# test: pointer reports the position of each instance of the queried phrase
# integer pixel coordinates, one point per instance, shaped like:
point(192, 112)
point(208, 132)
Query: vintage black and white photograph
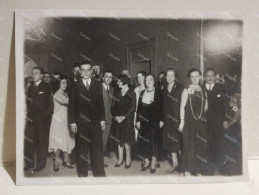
point(128, 97)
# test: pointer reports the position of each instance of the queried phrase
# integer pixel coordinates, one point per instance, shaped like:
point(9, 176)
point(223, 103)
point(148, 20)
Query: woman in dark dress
point(193, 126)
point(149, 115)
point(123, 115)
point(172, 138)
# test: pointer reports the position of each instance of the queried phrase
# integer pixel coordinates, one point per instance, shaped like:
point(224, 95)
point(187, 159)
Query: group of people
point(196, 128)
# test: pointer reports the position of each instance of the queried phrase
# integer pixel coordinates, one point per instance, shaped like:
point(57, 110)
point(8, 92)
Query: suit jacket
point(108, 102)
point(86, 107)
point(39, 101)
point(70, 86)
point(216, 101)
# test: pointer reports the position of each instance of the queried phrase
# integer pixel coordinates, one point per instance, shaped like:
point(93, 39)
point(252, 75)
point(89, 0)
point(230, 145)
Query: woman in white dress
point(61, 139)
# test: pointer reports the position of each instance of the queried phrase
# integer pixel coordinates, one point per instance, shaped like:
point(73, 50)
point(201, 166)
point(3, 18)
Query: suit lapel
point(82, 85)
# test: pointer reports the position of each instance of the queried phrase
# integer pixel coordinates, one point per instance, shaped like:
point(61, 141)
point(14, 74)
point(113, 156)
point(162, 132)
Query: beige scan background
point(7, 55)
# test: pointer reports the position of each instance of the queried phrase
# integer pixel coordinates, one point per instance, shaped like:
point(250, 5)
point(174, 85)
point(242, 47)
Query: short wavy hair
point(124, 79)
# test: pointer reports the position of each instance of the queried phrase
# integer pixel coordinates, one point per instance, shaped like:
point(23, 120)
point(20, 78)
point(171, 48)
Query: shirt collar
point(38, 82)
point(88, 81)
point(210, 86)
point(105, 86)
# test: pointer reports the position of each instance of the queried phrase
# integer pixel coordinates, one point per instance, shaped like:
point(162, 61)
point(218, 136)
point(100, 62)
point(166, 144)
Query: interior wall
point(177, 43)
point(67, 41)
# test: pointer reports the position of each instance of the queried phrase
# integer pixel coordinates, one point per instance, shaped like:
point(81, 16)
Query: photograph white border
point(20, 103)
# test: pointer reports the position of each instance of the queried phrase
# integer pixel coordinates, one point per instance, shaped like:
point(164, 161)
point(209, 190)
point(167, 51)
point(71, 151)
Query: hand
point(73, 127)
point(103, 125)
point(225, 125)
point(117, 118)
point(161, 124)
point(122, 118)
point(180, 128)
point(138, 125)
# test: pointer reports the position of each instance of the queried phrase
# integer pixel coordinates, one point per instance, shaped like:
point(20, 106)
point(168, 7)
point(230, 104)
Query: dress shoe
point(153, 170)
point(172, 170)
point(145, 168)
point(118, 165)
point(27, 167)
point(66, 165)
point(128, 166)
point(38, 169)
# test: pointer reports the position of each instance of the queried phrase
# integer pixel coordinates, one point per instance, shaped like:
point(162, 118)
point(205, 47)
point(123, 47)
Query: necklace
point(150, 90)
point(201, 106)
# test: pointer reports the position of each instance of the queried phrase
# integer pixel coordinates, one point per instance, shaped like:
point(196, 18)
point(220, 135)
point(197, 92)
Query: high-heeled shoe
point(66, 165)
point(56, 166)
point(172, 170)
point(118, 165)
point(145, 168)
point(152, 170)
point(128, 166)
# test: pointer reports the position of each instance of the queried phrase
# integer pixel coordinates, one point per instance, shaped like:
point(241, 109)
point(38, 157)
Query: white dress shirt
point(37, 83)
point(209, 86)
point(88, 82)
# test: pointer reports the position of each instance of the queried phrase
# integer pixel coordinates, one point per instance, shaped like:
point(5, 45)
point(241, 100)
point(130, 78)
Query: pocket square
point(218, 95)
point(41, 92)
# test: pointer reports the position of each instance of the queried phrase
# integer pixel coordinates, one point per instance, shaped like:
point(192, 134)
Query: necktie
point(107, 90)
point(87, 85)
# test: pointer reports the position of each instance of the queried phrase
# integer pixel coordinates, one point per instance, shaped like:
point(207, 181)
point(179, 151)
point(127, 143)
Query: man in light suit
point(214, 116)
point(87, 120)
point(40, 106)
point(108, 92)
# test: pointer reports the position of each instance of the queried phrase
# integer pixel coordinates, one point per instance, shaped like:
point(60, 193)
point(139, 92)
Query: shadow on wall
point(9, 134)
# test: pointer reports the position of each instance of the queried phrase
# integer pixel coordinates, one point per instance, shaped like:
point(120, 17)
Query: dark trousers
point(214, 127)
point(36, 141)
point(90, 139)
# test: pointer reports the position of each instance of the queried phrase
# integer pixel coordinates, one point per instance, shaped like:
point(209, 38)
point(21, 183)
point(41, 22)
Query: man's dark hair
point(75, 65)
point(107, 71)
point(46, 73)
point(57, 73)
point(210, 69)
point(83, 63)
point(39, 68)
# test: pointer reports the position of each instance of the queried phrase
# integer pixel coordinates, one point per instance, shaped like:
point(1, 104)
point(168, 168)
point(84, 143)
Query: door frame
point(151, 42)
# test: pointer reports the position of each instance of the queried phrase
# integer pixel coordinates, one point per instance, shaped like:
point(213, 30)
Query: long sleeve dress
point(149, 114)
point(124, 132)
point(172, 138)
point(60, 137)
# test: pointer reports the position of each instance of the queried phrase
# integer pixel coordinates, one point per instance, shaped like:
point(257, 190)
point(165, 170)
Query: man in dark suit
point(108, 92)
point(87, 120)
point(71, 85)
point(39, 110)
point(215, 114)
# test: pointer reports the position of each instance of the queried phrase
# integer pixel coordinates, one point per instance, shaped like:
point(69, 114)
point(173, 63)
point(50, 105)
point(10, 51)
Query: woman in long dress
point(193, 126)
point(123, 131)
point(61, 139)
point(149, 115)
point(172, 138)
point(141, 86)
